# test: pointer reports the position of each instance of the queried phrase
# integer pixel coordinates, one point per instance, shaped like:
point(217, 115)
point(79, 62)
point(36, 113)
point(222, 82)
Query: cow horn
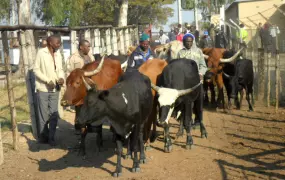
point(97, 70)
point(205, 56)
point(232, 58)
point(187, 91)
point(125, 64)
point(88, 87)
point(154, 87)
point(227, 76)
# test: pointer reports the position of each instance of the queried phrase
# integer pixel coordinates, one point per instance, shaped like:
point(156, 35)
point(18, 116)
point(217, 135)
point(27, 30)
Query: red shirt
point(179, 37)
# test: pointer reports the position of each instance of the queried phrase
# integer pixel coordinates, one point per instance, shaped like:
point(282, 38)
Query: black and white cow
point(127, 106)
point(180, 88)
point(242, 79)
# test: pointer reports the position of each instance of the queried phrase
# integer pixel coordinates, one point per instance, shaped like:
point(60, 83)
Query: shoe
point(42, 141)
point(52, 143)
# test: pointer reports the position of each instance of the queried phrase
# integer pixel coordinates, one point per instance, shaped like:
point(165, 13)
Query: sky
point(187, 16)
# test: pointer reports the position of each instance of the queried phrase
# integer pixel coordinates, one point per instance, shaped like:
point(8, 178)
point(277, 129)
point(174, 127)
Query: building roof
point(239, 1)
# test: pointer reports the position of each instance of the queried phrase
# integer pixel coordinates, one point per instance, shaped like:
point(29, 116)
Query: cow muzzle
point(63, 103)
point(160, 123)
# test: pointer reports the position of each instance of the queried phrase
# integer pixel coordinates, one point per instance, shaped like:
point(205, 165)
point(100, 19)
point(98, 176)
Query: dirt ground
point(240, 145)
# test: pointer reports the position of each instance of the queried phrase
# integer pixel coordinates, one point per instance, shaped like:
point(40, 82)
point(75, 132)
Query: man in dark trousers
point(220, 39)
point(49, 77)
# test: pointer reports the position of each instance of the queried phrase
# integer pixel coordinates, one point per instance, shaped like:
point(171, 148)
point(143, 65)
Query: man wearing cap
point(191, 51)
point(206, 41)
point(141, 54)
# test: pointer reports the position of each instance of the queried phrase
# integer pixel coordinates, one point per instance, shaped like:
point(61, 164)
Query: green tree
point(4, 9)
point(60, 12)
point(91, 12)
point(149, 11)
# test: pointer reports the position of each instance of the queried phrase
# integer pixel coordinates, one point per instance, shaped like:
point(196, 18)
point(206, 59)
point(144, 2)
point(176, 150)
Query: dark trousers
point(198, 106)
point(48, 114)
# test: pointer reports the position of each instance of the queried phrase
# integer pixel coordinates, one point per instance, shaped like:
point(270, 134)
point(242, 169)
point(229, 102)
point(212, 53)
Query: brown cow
point(152, 69)
point(104, 78)
point(214, 75)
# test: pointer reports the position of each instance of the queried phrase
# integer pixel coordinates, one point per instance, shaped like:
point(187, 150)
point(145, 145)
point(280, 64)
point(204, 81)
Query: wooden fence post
point(277, 76)
point(126, 38)
point(108, 41)
point(114, 42)
point(103, 47)
point(268, 54)
point(73, 43)
point(92, 41)
point(261, 73)
point(122, 43)
point(1, 148)
point(10, 89)
point(136, 36)
point(97, 41)
point(87, 35)
point(30, 84)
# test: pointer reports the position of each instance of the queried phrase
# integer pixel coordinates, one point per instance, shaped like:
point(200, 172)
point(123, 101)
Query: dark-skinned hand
point(50, 85)
point(60, 81)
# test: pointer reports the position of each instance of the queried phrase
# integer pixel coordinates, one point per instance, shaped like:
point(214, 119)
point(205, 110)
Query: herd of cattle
point(133, 101)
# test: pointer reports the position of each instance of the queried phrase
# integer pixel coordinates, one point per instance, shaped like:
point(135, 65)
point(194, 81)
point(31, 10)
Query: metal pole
point(179, 12)
point(196, 14)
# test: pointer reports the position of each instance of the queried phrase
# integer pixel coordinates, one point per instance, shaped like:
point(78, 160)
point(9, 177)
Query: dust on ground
point(240, 145)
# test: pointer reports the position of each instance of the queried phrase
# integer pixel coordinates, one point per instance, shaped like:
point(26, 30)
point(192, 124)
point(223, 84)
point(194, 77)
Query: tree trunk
point(28, 54)
point(123, 13)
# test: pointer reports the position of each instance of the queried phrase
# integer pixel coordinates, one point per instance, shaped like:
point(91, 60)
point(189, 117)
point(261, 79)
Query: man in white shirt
point(49, 77)
point(163, 39)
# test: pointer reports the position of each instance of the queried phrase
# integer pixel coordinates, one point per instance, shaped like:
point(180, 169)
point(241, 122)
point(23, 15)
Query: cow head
point(92, 107)
point(216, 57)
point(169, 50)
point(167, 98)
point(76, 85)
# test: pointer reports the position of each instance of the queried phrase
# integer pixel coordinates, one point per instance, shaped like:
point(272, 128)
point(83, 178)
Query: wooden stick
point(277, 60)
point(1, 148)
point(10, 90)
point(268, 80)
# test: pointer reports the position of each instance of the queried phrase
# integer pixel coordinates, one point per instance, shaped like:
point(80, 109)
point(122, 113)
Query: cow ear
point(103, 94)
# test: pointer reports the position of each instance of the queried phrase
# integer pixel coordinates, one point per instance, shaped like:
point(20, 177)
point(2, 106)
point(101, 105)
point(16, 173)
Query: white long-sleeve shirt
point(46, 70)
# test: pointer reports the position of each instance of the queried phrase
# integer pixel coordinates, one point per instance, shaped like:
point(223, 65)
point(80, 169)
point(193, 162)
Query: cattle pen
point(241, 144)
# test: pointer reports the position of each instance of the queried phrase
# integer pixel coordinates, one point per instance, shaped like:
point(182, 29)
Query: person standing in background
point(163, 39)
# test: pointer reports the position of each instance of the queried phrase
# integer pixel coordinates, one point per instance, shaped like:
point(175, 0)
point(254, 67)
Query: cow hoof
point(143, 161)
point(136, 169)
point(251, 110)
point(179, 134)
point(148, 148)
point(204, 135)
point(188, 146)
point(116, 174)
point(128, 156)
point(168, 149)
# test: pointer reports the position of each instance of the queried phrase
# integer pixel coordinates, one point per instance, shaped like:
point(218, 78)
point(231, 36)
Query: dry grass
point(21, 103)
